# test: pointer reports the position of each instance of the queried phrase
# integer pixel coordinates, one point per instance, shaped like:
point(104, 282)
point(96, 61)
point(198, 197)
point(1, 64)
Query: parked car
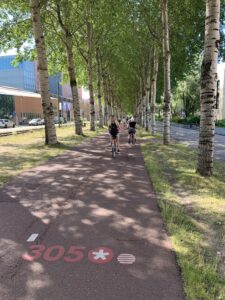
point(35, 122)
point(24, 121)
point(5, 123)
point(62, 120)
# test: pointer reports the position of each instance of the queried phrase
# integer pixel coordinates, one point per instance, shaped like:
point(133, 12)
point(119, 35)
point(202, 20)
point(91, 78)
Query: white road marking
point(33, 237)
point(126, 258)
point(100, 254)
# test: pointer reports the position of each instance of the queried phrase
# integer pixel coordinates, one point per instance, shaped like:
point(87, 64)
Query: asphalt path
point(190, 137)
point(86, 226)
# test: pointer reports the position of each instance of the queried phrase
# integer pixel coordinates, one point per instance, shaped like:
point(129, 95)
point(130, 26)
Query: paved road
point(26, 128)
point(190, 137)
point(19, 128)
point(101, 236)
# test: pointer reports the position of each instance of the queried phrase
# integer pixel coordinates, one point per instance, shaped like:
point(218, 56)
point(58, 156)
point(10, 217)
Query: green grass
point(23, 151)
point(193, 209)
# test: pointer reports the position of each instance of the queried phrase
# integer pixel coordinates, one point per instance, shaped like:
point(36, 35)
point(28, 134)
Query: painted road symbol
point(100, 255)
point(33, 237)
point(73, 254)
point(127, 259)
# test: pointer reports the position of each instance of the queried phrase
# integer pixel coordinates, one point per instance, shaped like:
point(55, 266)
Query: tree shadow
point(85, 198)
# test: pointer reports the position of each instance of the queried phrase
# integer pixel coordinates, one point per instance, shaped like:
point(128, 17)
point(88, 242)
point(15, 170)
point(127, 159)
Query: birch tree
point(99, 79)
point(166, 67)
point(50, 131)
point(65, 23)
point(153, 90)
point(209, 88)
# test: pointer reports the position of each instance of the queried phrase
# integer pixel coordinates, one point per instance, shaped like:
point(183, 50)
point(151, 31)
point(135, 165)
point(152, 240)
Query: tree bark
point(166, 64)
point(148, 116)
point(99, 76)
point(209, 88)
point(106, 98)
point(153, 91)
point(50, 131)
point(73, 84)
point(90, 74)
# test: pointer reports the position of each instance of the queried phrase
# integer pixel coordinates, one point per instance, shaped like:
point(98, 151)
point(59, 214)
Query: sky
point(9, 52)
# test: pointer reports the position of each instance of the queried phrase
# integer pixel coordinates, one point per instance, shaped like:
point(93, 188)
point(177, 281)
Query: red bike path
point(100, 232)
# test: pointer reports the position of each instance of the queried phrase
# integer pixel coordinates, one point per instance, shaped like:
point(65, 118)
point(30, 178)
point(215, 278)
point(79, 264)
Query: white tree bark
point(90, 74)
point(153, 91)
point(209, 88)
point(166, 64)
point(99, 76)
point(73, 84)
point(50, 131)
point(148, 116)
point(106, 98)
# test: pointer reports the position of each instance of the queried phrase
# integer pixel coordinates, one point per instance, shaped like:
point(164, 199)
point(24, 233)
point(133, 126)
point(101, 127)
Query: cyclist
point(114, 131)
point(131, 129)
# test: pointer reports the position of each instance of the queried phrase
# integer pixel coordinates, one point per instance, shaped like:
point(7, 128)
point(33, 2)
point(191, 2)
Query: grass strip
point(193, 209)
point(24, 151)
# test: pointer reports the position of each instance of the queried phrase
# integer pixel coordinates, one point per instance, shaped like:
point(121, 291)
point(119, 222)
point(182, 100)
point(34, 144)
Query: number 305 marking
point(54, 253)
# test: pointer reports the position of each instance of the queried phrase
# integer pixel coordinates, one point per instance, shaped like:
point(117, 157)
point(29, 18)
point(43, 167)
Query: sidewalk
point(100, 233)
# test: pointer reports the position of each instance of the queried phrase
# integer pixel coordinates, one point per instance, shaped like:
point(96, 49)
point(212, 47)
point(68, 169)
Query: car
point(24, 121)
point(6, 123)
point(62, 120)
point(35, 122)
point(42, 121)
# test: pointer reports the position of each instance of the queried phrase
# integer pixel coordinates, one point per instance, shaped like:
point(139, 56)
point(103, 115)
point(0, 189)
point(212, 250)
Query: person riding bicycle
point(114, 131)
point(131, 129)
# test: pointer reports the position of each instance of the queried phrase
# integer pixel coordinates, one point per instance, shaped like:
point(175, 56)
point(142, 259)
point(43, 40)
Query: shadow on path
point(86, 198)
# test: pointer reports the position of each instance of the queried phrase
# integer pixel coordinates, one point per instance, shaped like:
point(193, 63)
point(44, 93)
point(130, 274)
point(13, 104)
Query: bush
point(220, 123)
point(193, 120)
point(159, 118)
point(188, 120)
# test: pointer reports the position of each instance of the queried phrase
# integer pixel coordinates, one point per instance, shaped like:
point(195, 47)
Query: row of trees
point(132, 52)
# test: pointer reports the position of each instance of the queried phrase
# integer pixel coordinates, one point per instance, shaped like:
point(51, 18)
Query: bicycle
point(114, 140)
point(132, 139)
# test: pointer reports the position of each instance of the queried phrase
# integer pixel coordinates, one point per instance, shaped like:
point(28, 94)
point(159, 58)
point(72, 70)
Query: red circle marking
point(100, 255)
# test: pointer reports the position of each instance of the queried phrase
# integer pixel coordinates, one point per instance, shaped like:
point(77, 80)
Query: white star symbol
point(100, 254)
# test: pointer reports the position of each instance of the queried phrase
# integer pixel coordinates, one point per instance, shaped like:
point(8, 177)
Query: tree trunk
point(106, 98)
point(73, 84)
point(147, 128)
point(50, 131)
point(153, 91)
point(111, 100)
point(209, 88)
point(90, 74)
point(99, 76)
point(144, 110)
point(166, 63)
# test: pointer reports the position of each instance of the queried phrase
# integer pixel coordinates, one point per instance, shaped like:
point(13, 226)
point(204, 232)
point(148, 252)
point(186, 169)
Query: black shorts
point(114, 137)
point(131, 130)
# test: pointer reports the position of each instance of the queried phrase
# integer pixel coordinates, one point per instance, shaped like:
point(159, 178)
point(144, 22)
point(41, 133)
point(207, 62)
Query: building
point(21, 77)
point(24, 79)
point(20, 104)
point(221, 102)
point(25, 76)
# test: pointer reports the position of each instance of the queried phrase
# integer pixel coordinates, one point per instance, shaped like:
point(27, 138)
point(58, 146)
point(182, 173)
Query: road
point(28, 128)
point(85, 226)
point(190, 138)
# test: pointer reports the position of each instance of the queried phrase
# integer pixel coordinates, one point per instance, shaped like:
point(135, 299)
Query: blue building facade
point(24, 76)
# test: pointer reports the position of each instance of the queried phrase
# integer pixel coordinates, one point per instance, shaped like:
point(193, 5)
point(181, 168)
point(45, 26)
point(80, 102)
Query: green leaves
point(125, 31)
